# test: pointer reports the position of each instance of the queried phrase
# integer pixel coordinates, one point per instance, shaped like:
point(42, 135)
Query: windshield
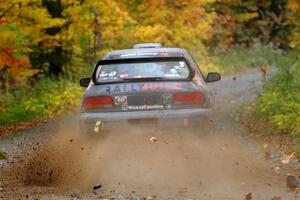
point(127, 71)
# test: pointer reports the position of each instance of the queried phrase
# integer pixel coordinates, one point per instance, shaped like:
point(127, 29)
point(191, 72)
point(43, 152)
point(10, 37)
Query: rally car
point(148, 83)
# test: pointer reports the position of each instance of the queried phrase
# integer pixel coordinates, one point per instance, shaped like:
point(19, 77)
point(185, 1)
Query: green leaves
point(55, 99)
point(47, 100)
point(2, 156)
point(280, 101)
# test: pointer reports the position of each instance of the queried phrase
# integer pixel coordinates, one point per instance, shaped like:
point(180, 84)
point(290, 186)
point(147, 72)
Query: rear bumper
point(163, 118)
point(159, 114)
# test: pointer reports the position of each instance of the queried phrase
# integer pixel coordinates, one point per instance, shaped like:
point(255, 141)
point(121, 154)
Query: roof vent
point(147, 45)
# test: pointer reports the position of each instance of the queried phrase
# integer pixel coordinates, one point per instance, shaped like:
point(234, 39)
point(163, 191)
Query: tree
point(94, 27)
point(173, 22)
point(294, 20)
point(263, 20)
point(22, 29)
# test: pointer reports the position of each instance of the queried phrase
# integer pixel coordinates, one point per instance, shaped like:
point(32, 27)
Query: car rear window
point(163, 70)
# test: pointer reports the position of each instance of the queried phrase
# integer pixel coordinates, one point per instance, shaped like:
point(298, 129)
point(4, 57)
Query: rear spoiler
point(139, 60)
point(147, 45)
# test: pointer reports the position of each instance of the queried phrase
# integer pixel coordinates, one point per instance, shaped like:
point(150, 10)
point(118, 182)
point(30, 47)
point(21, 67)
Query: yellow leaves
point(156, 33)
point(54, 99)
point(209, 64)
point(295, 39)
point(246, 16)
point(30, 17)
point(297, 127)
point(279, 120)
point(29, 72)
point(184, 23)
point(294, 20)
point(96, 22)
point(96, 26)
point(29, 14)
point(54, 22)
point(281, 110)
point(7, 37)
point(204, 2)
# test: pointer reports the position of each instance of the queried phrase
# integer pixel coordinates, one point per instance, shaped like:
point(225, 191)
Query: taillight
point(99, 102)
point(191, 98)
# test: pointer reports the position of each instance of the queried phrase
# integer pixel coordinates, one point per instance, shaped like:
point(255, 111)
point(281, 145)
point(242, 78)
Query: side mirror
point(84, 82)
point(212, 77)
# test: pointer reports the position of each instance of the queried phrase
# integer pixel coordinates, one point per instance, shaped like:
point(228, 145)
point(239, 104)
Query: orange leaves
point(15, 65)
point(12, 50)
point(294, 19)
point(223, 30)
point(8, 50)
point(2, 21)
point(294, 5)
point(7, 59)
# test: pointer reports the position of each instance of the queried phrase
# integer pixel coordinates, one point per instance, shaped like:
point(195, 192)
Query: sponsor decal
point(111, 74)
point(143, 87)
point(139, 54)
point(167, 100)
point(124, 107)
point(145, 107)
point(146, 102)
point(121, 101)
point(117, 89)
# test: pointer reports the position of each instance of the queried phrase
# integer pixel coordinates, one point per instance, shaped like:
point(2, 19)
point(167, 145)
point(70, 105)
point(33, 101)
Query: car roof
point(144, 53)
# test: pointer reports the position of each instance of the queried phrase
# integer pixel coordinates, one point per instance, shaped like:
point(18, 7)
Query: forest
point(47, 45)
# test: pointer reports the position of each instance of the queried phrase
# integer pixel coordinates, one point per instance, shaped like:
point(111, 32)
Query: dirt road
point(54, 162)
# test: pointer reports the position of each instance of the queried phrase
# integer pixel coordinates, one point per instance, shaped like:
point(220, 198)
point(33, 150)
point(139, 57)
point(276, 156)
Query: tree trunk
point(97, 32)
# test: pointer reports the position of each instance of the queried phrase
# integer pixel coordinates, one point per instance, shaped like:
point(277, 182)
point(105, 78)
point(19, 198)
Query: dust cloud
point(179, 162)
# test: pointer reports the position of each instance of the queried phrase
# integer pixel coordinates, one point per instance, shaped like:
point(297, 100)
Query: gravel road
point(54, 161)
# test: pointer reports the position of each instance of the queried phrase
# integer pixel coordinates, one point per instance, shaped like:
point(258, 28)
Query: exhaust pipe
point(98, 126)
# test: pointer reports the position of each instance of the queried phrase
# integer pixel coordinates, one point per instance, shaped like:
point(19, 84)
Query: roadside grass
point(47, 99)
point(261, 130)
point(2, 156)
point(258, 55)
point(274, 115)
point(276, 111)
point(240, 59)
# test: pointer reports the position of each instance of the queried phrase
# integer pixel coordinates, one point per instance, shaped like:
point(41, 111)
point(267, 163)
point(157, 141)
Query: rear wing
point(147, 45)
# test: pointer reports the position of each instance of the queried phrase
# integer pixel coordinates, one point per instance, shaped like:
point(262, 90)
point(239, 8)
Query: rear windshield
point(127, 71)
